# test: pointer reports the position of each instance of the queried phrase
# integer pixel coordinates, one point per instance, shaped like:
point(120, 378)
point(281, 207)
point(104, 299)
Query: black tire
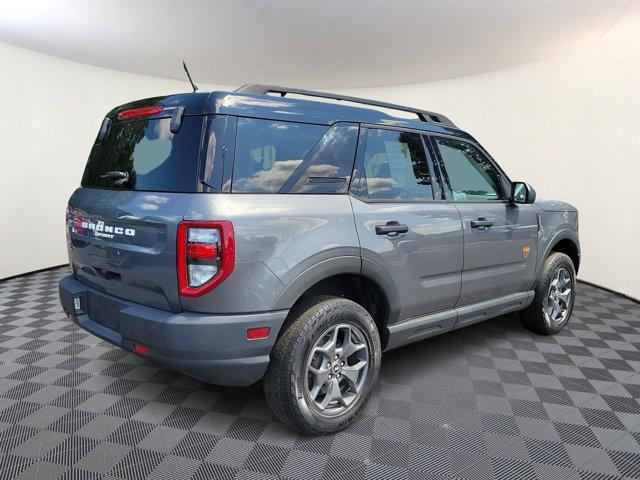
point(533, 317)
point(286, 383)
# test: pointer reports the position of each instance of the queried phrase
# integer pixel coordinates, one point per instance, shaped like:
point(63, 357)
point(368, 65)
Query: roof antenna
point(184, 65)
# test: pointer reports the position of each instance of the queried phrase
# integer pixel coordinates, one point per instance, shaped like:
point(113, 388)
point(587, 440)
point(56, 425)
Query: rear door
point(122, 229)
point(500, 238)
point(402, 227)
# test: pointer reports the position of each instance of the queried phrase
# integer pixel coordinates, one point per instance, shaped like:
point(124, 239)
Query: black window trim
point(445, 186)
point(358, 189)
point(219, 180)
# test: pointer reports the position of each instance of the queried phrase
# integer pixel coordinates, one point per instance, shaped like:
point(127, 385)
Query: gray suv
point(270, 234)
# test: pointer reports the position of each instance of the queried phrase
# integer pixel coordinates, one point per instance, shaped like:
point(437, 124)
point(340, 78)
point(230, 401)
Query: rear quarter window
point(268, 152)
point(154, 158)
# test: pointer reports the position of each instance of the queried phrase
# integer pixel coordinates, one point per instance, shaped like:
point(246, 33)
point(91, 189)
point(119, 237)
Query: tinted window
point(395, 166)
point(328, 167)
point(267, 153)
point(470, 174)
point(154, 158)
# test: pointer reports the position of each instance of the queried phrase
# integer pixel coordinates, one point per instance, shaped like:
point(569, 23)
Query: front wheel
point(323, 366)
point(554, 296)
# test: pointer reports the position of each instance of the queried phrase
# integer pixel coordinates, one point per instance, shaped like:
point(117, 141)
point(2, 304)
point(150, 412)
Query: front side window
point(395, 166)
point(267, 153)
point(469, 173)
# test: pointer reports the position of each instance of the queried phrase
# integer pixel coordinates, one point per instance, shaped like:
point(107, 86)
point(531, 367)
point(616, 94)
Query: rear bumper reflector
point(257, 333)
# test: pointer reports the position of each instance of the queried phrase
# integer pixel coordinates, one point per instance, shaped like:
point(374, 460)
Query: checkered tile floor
point(487, 401)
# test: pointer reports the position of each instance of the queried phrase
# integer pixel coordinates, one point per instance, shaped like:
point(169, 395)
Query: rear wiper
point(118, 177)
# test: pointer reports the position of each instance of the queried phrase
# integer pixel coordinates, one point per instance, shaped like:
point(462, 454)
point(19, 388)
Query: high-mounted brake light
point(140, 112)
point(206, 256)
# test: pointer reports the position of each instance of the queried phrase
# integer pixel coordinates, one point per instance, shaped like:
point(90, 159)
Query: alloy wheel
point(558, 299)
point(336, 369)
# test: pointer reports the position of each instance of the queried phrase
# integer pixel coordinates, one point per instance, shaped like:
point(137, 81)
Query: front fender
point(546, 244)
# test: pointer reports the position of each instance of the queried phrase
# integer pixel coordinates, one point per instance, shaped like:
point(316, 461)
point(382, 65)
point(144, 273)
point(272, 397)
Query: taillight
point(206, 256)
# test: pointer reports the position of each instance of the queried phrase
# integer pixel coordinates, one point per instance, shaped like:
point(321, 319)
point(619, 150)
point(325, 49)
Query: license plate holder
point(105, 312)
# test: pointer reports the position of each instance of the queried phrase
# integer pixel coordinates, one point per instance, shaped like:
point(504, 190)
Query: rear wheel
point(554, 298)
point(323, 366)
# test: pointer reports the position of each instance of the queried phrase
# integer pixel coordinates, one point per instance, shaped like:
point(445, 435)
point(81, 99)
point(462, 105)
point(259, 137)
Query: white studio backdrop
point(54, 110)
point(568, 125)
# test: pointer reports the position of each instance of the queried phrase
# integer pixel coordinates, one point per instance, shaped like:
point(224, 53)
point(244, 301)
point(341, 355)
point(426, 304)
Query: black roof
point(258, 101)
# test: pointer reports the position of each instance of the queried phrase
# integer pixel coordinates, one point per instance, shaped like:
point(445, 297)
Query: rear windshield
point(154, 158)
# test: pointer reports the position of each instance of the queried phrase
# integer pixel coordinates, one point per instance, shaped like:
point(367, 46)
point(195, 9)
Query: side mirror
point(522, 193)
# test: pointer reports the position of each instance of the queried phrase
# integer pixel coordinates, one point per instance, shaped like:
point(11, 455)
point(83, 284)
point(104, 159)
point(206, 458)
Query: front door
point(402, 228)
point(500, 238)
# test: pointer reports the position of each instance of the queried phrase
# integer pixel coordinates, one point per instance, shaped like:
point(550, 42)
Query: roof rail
point(423, 115)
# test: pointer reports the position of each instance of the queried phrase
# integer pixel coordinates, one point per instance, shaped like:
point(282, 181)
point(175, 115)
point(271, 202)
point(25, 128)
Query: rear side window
point(396, 167)
point(154, 158)
point(267, 153)
point(328, 167)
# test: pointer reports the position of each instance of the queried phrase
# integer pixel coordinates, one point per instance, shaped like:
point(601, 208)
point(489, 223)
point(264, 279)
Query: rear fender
point(337, 266)
point(314, 274)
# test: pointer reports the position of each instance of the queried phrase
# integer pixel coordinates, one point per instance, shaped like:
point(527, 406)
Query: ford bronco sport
point(270, 234)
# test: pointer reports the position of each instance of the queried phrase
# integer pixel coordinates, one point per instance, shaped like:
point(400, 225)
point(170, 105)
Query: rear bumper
point(213, 348)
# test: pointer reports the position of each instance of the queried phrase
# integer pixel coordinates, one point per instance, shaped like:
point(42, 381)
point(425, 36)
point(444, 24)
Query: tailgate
point(124, 243)
point(140, 175)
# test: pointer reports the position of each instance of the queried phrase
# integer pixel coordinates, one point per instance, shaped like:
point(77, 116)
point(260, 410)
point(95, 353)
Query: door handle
point(391, 228)
point(481, 222)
